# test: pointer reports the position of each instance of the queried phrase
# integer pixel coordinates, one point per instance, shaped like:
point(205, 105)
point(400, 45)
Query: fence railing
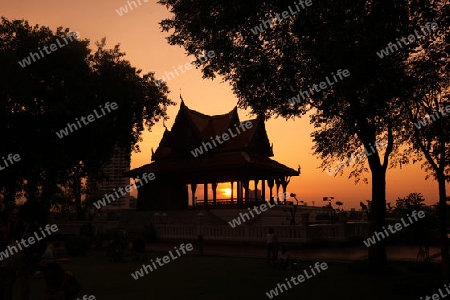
point(338, 232)
point(303, 233)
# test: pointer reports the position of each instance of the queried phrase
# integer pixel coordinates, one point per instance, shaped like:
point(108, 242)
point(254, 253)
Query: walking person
point(272, 246)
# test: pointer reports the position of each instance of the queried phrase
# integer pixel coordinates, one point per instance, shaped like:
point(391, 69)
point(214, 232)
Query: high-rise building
point(120, 163)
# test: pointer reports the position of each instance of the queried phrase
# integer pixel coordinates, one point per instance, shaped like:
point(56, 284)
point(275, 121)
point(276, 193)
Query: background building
point(114, 178)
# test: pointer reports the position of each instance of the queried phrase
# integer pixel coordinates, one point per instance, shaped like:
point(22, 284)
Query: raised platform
point(214, 226)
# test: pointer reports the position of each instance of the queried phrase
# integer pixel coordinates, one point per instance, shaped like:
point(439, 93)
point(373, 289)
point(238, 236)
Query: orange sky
point(140, 37)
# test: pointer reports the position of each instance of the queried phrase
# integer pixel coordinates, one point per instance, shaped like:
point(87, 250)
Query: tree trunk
point(377, 252)
point(442, 227)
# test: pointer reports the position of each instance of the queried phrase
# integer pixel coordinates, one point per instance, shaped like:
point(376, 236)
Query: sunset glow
point(146, 47)
point(226, 192)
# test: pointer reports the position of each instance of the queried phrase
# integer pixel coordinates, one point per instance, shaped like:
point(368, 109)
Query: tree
point(279, 63)
point(363, 206)
point(413, 201)
point(421, 229)
point(429, 121)
point(38, 100)
point(389, 209)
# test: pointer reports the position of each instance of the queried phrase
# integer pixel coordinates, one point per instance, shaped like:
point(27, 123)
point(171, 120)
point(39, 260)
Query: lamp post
point(329, 199)
point(295, 197)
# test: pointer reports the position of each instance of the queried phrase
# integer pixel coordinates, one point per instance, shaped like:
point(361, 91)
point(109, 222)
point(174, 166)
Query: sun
point(226, 191)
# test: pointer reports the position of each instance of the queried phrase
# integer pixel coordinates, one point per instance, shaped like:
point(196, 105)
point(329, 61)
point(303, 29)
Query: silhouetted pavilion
point(241, 159)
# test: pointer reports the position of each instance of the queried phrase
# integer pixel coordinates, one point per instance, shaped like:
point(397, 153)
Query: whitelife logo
point(436, 296)
point(435, 116)
point(110, 197)
point(188, 66)
point(90, 118)
point(319, 87)
point(166, 259)
point(371, 241)
point(198, 151)
point(357, 157)
point(300, 278)
point(11, 157)
point(391, 48)
point(285, 15)
point(263, 207)
point(85, 297)
point(124, 9)
point(27, 60)
point(13, 246)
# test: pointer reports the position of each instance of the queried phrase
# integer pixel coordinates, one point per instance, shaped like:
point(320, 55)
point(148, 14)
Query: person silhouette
point(272, 246)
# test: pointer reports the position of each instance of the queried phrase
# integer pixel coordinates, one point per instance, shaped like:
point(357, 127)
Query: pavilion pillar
point(232, 191)
point(241, 195)
point(278, 184)
point(256, 190)
point(205, 194)
point(239, 192)
point(263, 190)
point(270, 184)
point(214, 188)
point(247, 190)
point(284, 185)
point(193, 189)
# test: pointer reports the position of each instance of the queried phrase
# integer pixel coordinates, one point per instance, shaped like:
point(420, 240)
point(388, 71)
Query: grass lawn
point(205, 277)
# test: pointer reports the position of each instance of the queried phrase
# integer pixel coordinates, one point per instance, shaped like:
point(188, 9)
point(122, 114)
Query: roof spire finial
point(181, 97)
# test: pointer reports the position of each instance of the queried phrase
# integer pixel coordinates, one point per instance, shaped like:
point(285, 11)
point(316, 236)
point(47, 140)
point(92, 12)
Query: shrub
point(77, 245)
